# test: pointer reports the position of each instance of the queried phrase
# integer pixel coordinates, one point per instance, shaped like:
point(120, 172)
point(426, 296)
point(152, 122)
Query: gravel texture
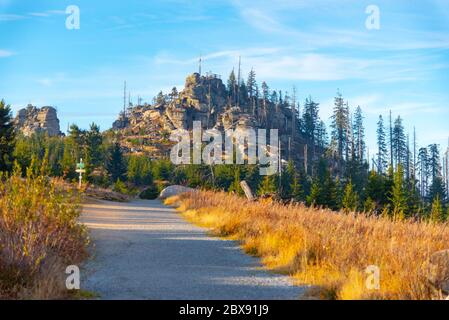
point(145, 250)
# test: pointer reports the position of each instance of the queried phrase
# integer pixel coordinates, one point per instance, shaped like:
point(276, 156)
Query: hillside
point(205, 98)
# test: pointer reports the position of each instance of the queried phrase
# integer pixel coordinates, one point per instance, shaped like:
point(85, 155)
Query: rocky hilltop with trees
point(237, 103)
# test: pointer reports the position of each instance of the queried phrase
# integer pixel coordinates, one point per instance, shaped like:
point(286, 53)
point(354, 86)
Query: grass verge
point(330, 250)
point(39, 237)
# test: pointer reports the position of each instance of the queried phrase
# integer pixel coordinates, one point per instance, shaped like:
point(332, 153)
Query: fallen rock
point(437, 272)
point(173, 191)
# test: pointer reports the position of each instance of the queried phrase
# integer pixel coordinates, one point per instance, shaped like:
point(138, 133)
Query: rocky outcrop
point(32, 120)
point(208, 100)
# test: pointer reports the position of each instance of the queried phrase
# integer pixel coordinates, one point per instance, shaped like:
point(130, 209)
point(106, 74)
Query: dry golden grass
point(323, 248)
point(39, 237)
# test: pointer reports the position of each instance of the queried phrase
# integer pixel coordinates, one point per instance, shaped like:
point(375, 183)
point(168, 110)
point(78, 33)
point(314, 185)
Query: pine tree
point(382, 146)
point(160, 99)
point(310, 122)
point(359, 135)
point(324, 188)
point(94, 141)
point(173, 94)
point(251, 84)
point(268, 185)
point(434, 160)
point(424, 171)
point(235, 185)
point(437, 214)
point(265, 101)
point(296, 188)
point(391, 142)
point(115, 163)
point(340, 125)
point(321, 136)
point(313, 197)
point(252, 176)
point(398, 195)
point(251, 87)
point(376, 189)
point(350, 201)
point(232, 87)
point(287, 180)
point(437, 189)
point(7, 137)
point(399, 142)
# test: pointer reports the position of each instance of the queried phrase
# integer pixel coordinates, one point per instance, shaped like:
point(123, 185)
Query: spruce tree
point(359, 135)
point(382, 146)
point(287, 180)
point(399, 142)
point(399, 195)
point(350, 201)
point(235, 185)
point(340, 125)
point(437, 214)
point(424, 171)
point(310, 122)
point(251, 84)
point(268, 185)
point(7, 137)
point(116, 166)
point(376, 189)
point(321, 136)
point(313, 197)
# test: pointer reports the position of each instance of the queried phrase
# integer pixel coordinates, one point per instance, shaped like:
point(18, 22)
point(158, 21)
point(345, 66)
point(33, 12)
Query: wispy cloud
point(11, 17)
point(6, 53)
point(272, 18)
point(6, 17)
point(277, 63)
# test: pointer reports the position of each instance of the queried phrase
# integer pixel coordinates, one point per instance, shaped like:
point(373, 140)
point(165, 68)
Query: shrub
point(39, 236)
point(150, 193)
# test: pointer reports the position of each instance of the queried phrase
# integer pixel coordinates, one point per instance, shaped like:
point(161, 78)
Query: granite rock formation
point(205, 98)
point(32, 120)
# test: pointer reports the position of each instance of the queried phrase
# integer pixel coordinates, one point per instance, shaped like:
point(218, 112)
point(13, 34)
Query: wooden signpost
point(80, 169)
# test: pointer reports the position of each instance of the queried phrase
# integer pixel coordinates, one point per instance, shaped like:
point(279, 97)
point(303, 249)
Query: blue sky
point(317, 46)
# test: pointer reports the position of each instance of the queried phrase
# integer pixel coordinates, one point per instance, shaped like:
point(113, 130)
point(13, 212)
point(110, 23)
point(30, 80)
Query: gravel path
point(145, 250)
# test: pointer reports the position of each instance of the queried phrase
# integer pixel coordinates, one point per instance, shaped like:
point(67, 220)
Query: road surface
point(145, 250)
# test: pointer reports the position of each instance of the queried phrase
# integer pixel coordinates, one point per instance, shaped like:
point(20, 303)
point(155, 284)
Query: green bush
point(149, 193)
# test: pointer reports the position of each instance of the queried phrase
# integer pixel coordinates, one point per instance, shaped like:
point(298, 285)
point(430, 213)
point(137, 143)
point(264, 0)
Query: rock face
point(208, 100)
point(32, 120)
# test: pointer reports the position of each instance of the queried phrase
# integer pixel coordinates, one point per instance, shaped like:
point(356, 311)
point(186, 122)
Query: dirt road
point(145, 250)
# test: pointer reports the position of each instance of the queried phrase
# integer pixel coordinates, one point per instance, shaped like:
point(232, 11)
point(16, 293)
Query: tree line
point(400, 179)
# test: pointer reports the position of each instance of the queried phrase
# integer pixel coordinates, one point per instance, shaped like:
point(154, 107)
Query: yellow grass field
point(328, 250)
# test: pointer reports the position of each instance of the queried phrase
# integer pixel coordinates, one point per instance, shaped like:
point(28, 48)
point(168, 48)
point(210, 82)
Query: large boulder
point(437, 272)
point(173, 191)
point(32, 120)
